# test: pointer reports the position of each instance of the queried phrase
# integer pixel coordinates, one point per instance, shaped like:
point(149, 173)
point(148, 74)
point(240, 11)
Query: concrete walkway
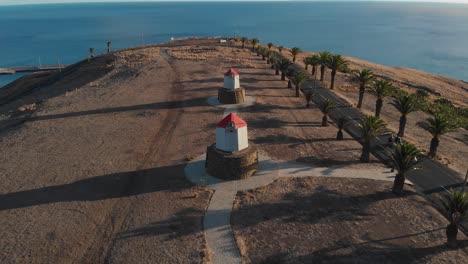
point(216, 223)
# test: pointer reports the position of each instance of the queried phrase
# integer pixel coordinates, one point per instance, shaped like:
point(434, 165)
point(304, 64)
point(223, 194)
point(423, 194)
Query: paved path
point(216, 223)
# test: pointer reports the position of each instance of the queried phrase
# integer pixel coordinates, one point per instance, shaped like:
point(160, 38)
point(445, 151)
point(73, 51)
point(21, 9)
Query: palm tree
point(109, 43)
point(437, 125)
point(455, 204)
point(323, 58)
point(244, 40)
point(298, 79)
point(306, 62)
point(290, 74)
point(91, 52)
point(268, 55)
point(403, 158)
point(314, 61)
point(326, 106)
point(280, 49)
point(336, 62)
point(370, 127)
point(273, 60)
point(405, 104)
point(294, 52)
point(283, 66)
point(364, 78)
point(308, 94)
point(380, 89)
point(341, 123)
point(255, 41)
point(261, 51)
point(270, 45)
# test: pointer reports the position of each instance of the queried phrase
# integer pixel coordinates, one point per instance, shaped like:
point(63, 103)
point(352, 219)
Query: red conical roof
point(231, 71)
point(239, 122)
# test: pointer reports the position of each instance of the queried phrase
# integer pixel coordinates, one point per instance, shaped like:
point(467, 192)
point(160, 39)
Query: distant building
point(231, 79)
point(231, 134)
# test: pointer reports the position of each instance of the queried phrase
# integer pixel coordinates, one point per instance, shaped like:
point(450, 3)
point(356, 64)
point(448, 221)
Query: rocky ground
point(331, 220)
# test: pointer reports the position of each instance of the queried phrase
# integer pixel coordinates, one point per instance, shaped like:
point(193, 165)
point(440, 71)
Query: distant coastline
point(426, 36)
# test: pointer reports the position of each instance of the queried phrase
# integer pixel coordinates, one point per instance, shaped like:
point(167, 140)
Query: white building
point(231, 79)
point(231, 134)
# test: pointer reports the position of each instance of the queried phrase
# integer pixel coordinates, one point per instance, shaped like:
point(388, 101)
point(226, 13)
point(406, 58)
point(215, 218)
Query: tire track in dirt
point(100, 251)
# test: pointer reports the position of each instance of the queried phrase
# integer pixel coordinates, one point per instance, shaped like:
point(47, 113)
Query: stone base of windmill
point(231, 165)
point(231, 96)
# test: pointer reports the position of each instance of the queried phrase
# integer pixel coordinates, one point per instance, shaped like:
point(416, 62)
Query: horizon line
point(47, 2)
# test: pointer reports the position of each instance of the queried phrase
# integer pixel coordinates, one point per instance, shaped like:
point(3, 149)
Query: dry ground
point(331, 220)
point(94, 171)
point(453, 148)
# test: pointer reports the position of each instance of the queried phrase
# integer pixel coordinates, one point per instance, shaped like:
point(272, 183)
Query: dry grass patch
point(225, 54)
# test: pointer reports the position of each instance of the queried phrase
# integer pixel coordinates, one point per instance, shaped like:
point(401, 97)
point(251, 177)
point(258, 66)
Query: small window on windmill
point(231, 127)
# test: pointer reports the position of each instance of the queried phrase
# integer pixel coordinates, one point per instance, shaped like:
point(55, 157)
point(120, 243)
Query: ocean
point(425, 36)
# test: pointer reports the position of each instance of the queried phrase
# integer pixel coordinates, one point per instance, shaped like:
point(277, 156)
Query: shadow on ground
point(103, 187)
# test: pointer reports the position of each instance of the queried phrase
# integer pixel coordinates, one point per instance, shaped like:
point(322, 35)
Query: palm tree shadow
point(116, 185)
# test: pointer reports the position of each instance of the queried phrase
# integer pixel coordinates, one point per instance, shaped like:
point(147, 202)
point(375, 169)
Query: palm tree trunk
point(434, 146)
point(294, 58)
point(243, 45)
point(283, 76)
point(307, 66)
point(297, 90)
point(401, 130)
point(325, 120)
point(362, 90)
point(289, 84)
point(365, 155)
point(268, 61)
point(277, 72)
point(272, 66)
point(339, 135)
point(263, 57)
point(322, 72)
point(332, 83)
point(313, 69)
point(378, 107)
point(451, 232)
point(398, 183)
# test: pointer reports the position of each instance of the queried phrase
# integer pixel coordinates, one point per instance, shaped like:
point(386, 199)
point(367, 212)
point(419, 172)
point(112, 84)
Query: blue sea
point(425, 36)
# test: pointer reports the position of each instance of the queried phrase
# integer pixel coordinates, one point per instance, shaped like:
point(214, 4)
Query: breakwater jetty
point(13, 70)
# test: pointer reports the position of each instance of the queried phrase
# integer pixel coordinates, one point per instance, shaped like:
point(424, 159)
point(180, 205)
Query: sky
point(20, 2)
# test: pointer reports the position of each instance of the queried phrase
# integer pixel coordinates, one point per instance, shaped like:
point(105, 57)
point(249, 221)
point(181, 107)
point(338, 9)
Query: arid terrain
point(331, 220)
point(92, 158)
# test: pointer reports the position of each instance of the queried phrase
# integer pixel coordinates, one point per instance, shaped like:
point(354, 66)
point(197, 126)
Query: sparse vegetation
point(323, 58)
point(403, 158)
point(364, 78)
point(326, 106)
point(294, 52)
point(341, 124)
point(455, 203)
point(405, 104)
point(298, 79)
point(335, 62)
point(381, 89)
point(437, 125)
point(244, 40)
point(108, 44)
point(370, 127)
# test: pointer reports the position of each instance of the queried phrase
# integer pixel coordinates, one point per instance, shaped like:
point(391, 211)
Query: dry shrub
point(225, 54)
point(138, 57)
